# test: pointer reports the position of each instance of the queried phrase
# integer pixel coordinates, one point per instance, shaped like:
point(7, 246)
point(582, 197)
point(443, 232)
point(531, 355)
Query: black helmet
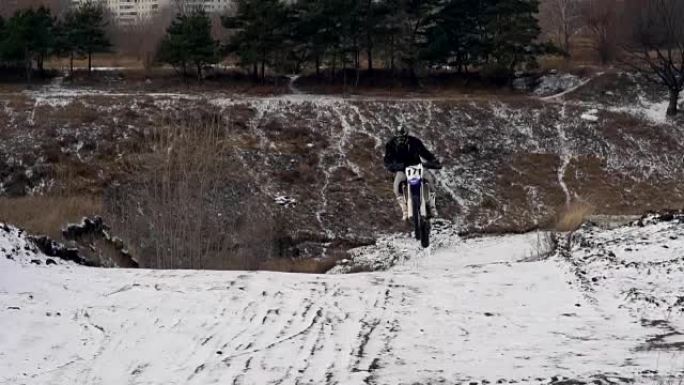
point(401, 133)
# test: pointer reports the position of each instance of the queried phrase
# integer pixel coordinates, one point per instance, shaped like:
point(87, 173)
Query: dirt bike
point(416, 196)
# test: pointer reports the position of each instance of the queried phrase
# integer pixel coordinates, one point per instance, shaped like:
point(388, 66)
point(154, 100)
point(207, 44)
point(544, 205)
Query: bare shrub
point(654, 44)
point(192, 203)
point(545, 246)
point(601, 19)
point(572, 216)
point(561, 20)
point(47, 215)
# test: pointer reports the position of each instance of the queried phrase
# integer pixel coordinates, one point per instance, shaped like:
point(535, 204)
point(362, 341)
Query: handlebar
point(397, 167)
point(432, 165)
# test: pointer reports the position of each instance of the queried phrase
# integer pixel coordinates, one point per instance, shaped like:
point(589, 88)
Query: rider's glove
point(396, 167)
point(435, 165)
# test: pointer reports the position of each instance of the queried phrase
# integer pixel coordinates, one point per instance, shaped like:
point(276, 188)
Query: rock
point(50, 261)
point(54, 249)
point(36, 261)
point(88, 226)
point(524, 83)
point(553, 84)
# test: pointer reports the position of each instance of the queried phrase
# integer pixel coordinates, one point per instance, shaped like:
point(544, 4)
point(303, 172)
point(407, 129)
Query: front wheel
point(425, 232)
point(417, 219)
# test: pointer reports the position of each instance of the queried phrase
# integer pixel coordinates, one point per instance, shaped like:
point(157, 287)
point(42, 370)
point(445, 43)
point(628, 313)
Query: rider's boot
point(404, 208)
point(432, 207)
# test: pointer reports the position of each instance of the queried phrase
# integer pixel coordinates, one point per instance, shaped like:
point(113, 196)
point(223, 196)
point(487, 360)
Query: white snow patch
point(285, 201)
point(655, 112)
point(17, 249)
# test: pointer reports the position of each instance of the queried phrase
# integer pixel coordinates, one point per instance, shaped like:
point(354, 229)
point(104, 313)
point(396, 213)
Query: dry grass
point(572, 216)
point(48, 214)
point(76, 112)
point(192, 205)
point(99, 60)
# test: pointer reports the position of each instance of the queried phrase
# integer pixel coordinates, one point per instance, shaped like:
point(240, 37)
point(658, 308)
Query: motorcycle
point(416, 196)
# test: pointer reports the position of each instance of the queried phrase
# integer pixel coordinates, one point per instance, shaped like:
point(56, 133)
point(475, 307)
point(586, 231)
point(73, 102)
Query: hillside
point(511, 162)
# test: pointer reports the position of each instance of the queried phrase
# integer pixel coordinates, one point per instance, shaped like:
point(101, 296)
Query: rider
point(404, 150)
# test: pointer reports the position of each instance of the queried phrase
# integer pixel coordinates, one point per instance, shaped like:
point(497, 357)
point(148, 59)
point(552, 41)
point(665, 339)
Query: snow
point(285, 201)
point(590, 115)
point(16, 246)
point(655, 112)
point(471, 310)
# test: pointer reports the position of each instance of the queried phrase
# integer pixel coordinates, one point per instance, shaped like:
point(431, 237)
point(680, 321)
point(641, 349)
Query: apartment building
point(130, 11)
point(211, 6)
point(136, 11)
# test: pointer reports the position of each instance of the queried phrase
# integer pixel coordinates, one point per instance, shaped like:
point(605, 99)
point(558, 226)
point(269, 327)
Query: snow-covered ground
point(477, 310)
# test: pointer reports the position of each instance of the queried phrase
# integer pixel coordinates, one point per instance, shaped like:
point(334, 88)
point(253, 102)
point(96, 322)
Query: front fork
point(409, 192)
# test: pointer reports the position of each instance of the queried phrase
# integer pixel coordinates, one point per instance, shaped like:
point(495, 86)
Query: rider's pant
point(400, 178)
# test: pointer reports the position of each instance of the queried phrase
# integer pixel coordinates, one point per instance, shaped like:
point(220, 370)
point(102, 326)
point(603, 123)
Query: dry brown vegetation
point(48, 214)
point(572, 216)
point(192, 204)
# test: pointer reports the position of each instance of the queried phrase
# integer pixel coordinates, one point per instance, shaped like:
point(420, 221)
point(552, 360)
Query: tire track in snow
point(331, 344)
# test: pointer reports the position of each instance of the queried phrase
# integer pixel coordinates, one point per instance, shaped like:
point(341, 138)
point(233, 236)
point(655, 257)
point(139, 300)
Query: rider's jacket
point(400, 155)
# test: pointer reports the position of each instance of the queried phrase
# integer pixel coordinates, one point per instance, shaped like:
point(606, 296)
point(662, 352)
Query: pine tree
point(2, 39)
point(456, 37)
point(43, 27)
point(28, 37)
point(188, 41)
point(67, 38)
point(260, 30)
point(497, 35)
point(90, 33)
point(417, 17)
point(374, 15)
point(513, 29)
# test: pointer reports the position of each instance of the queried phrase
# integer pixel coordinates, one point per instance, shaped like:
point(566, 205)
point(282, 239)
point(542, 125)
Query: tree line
point(30, 36)
point(498, 36)
point(343, 38)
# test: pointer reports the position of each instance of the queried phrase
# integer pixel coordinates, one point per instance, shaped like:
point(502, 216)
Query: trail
point(442, 317)
point(564, 154)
